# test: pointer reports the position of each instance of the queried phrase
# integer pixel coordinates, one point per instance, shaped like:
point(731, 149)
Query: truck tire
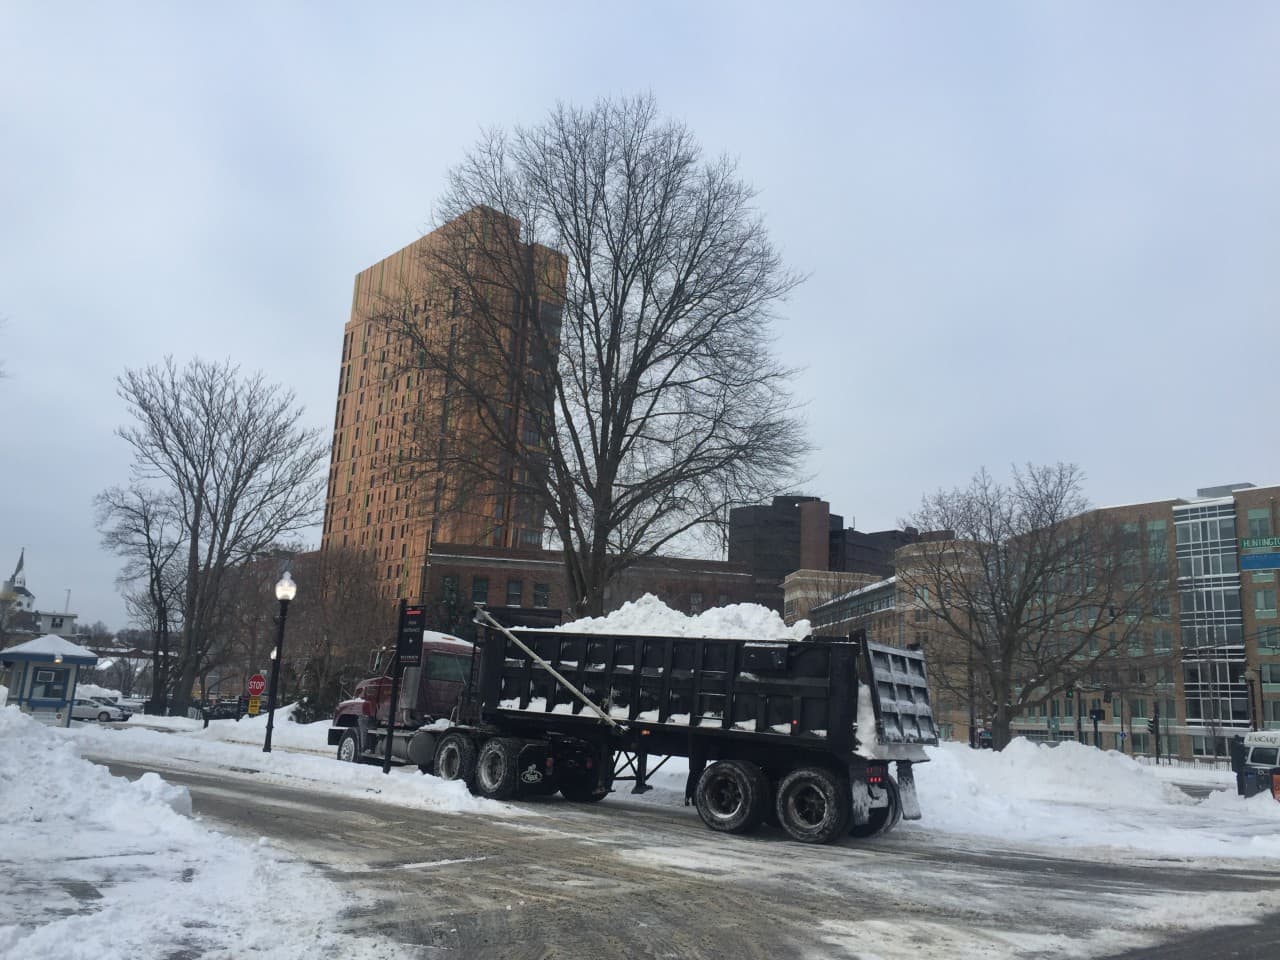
point(496, 768)
point(813, 805)
point(731, 796)
point(456, 758)
point(882, 819)
point(349, 747)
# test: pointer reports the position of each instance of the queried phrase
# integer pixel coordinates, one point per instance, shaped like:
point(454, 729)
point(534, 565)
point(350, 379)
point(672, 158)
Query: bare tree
point(140, 524)
point(597, 330)
point(341, 619)
point(337, 618)
point(1031, 594)
point(228, 461)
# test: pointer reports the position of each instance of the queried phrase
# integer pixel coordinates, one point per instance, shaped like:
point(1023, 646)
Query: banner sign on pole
point(409, 637)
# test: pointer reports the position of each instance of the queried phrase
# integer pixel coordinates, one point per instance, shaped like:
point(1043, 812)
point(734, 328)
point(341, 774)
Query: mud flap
point(907, 791)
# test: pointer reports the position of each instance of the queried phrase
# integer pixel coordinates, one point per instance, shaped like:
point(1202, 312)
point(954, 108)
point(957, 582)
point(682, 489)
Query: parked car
point(85, 709)
point(112, 702)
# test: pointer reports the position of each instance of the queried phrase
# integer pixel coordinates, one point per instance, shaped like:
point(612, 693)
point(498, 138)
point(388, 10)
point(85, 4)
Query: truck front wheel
point(349, 746)
point(814, 805)
point(456, 758)
point(731, 796)
point(496, 767)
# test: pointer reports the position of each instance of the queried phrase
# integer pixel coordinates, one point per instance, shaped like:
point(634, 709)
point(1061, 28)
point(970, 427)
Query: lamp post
point(286, 589)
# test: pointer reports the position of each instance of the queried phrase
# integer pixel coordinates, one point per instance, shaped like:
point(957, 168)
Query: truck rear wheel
point(813, 805)
point(456, 758)
point(880, 819)
point(731, 796)
point(496, 767)
point(349, 746)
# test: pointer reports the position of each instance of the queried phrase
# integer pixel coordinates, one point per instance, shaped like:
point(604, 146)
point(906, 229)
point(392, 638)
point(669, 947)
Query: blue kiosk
point(42, 676)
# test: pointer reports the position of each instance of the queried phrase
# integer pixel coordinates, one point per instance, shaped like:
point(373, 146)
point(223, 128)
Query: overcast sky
point(1033, 231)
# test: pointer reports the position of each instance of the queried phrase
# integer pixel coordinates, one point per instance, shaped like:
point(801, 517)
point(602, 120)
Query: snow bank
point(1078, 796)
point(651, 616)
point(99, 867)
point(236, 748)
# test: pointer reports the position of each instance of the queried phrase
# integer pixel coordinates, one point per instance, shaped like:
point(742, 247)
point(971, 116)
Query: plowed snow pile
point(96, 866)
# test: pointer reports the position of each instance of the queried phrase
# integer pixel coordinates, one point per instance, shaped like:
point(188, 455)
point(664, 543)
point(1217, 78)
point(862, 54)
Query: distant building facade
point(460, 575)
point(1207, 659)
point(796, 532)
point(19, 618)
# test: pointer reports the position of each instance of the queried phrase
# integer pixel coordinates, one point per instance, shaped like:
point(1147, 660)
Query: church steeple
point(19, 579)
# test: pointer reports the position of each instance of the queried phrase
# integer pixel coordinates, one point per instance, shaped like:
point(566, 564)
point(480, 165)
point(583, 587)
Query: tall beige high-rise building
point(392, 492)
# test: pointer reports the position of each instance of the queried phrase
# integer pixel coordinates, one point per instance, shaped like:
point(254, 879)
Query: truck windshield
point(1264, 756)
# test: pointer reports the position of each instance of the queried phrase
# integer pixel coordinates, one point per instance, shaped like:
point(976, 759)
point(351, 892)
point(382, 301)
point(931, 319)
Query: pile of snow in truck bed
point(651, 616)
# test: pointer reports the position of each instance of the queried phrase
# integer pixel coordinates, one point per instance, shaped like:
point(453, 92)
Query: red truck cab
point(427, 693)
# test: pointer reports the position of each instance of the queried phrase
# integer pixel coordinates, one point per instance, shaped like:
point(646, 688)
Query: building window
point(1269, 638)
point(479, 589)
point(1162, 639)
point(542, 595)
point(1271, 673)
point(1260, 523)
point(1264, 603)
point(515, 592)
point(695, 602)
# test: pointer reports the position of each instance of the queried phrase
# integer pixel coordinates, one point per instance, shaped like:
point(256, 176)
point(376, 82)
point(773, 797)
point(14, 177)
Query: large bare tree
point(226, 459)
point(623, 365)
point(1028, 594)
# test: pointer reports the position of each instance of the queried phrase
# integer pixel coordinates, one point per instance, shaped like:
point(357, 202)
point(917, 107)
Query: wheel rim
point(448, 762)
point(807, 805)
point(725, 798)
point(491, 770)
point(347, 751)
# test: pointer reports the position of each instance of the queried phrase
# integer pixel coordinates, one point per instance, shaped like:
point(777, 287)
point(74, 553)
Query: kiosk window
point(49, 685)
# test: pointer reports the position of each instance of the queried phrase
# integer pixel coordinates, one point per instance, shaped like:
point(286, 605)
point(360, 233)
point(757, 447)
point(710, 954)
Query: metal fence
point(1199, 763)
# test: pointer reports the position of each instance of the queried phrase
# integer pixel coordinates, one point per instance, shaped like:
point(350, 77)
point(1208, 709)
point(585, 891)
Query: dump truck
point(801, 733)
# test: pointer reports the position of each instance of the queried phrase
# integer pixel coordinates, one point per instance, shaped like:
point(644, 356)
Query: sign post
point(408, 654)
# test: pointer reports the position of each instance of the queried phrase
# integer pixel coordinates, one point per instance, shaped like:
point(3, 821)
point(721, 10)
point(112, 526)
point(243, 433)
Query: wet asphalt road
point(628, 879)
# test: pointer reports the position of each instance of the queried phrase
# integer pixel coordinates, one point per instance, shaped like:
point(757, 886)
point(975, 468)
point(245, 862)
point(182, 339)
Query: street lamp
point(286, 589)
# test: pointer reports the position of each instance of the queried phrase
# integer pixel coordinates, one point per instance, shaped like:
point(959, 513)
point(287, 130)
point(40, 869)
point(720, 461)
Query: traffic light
point(1153, 726)
point(1070, 693)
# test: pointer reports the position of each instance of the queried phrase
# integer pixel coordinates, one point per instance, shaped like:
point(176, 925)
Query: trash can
point(1251, 782)
point(1275, 784)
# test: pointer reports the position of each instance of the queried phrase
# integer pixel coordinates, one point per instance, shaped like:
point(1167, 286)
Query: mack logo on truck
point(531, 774)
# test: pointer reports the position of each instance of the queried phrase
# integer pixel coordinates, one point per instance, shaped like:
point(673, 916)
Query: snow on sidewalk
point(98, 867)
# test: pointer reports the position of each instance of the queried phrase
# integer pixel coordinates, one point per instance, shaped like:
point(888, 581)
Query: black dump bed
point(786, 691)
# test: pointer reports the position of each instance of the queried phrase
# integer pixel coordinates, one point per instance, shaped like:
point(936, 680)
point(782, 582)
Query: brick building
point(390, 493)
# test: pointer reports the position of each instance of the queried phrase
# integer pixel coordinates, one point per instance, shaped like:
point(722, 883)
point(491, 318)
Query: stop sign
point(257, 685)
